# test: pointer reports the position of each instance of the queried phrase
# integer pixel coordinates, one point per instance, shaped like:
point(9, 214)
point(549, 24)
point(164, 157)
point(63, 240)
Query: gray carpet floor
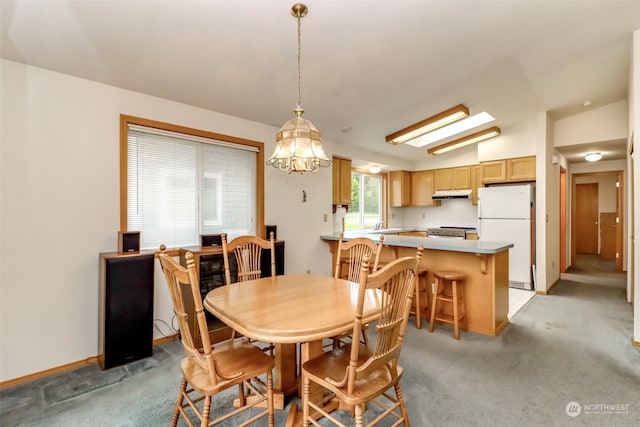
point(566, 359)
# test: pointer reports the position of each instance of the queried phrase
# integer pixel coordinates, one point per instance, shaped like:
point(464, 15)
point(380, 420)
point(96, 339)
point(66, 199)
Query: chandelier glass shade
point(298, 143)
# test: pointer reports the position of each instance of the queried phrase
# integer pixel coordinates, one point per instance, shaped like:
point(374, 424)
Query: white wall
point(606, 190)
point(59, 182)
point(634, 210)
point(461, 157)
point(457, 213)
point(547, 206)
point(600, 124)
point(519, 140)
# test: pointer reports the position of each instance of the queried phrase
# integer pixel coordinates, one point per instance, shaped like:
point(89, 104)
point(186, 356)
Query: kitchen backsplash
point(459, 213)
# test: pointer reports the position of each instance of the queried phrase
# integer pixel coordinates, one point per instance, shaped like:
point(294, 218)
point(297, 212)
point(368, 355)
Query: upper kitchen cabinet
point(476, 182)
point(521, 169)
point(452, 178)
point(341, 181)
point(422, 187)
point(495, 171)
point(509, 170)
point(399, 188)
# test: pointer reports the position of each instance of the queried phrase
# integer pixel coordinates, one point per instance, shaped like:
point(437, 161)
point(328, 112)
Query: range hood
point(451, 194)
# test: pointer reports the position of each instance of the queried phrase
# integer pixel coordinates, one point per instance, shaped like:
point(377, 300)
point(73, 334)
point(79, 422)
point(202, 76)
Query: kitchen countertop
point(455, 245)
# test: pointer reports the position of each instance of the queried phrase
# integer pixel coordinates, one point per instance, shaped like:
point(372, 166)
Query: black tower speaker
point(126, 308)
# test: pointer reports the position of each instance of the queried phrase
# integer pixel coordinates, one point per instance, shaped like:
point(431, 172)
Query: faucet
point(378, 226)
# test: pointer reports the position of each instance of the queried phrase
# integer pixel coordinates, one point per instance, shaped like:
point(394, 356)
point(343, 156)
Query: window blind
point(180, 186)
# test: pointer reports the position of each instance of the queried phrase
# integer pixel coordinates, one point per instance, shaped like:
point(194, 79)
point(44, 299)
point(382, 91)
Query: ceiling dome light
point(593, 157)
point(375, 169)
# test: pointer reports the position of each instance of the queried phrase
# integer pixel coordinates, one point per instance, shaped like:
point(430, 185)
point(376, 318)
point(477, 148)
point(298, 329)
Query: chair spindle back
point(248, 255)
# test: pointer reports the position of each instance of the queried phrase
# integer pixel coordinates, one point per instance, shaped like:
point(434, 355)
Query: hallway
point(592, 269)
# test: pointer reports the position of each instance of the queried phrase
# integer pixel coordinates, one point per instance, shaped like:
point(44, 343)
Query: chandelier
point(298, 144)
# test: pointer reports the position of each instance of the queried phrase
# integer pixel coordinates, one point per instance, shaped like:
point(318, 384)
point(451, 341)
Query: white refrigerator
point(505, 214)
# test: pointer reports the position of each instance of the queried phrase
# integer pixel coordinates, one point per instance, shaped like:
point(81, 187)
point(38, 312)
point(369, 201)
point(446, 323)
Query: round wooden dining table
point(287, 310)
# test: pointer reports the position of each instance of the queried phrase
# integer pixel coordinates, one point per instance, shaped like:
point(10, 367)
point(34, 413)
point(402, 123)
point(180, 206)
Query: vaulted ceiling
point(369, 68)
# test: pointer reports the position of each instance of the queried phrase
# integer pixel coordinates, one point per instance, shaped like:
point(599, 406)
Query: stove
point(448, 232)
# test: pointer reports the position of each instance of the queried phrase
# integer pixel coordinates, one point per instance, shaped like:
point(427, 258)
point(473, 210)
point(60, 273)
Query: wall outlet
point(308, 271)
point(325, 217)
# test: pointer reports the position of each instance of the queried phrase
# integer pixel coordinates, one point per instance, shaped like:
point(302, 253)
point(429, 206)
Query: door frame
point(620, 223)
point(563, 220)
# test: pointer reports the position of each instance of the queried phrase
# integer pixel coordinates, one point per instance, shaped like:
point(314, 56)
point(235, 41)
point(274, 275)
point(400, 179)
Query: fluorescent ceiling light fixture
point(467, 140)
point(453, 129)
point(593, 157)
point(427, 125)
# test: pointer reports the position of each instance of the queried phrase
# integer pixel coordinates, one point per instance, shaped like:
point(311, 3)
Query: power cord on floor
point(172, 330)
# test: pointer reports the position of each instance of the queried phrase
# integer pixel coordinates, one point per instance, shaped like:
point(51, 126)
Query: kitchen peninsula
point(485, 264)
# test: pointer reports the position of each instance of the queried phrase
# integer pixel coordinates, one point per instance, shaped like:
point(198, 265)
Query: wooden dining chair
point(247, 250)
point(248, 254)
point(356, 375)
point(349, 258)
point(350, 255)
point(208, 371)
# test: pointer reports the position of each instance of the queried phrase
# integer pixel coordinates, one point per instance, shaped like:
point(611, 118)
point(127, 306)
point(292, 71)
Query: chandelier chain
point(299, 59)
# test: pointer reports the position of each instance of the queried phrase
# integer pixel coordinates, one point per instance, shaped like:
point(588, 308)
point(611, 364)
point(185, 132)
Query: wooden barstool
point(455, 298)
point(421, 299)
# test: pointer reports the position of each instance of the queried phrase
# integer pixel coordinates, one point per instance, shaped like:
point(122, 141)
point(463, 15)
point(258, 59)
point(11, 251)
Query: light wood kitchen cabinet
point(476, 182)
point(399, 188)
point(461, 178)
point(452, 178)
point(341, 181)
point(494, 171)
point(413, 233)
point(442, 179)
point(509, 170)
point(422, 187)
point(521, 169)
